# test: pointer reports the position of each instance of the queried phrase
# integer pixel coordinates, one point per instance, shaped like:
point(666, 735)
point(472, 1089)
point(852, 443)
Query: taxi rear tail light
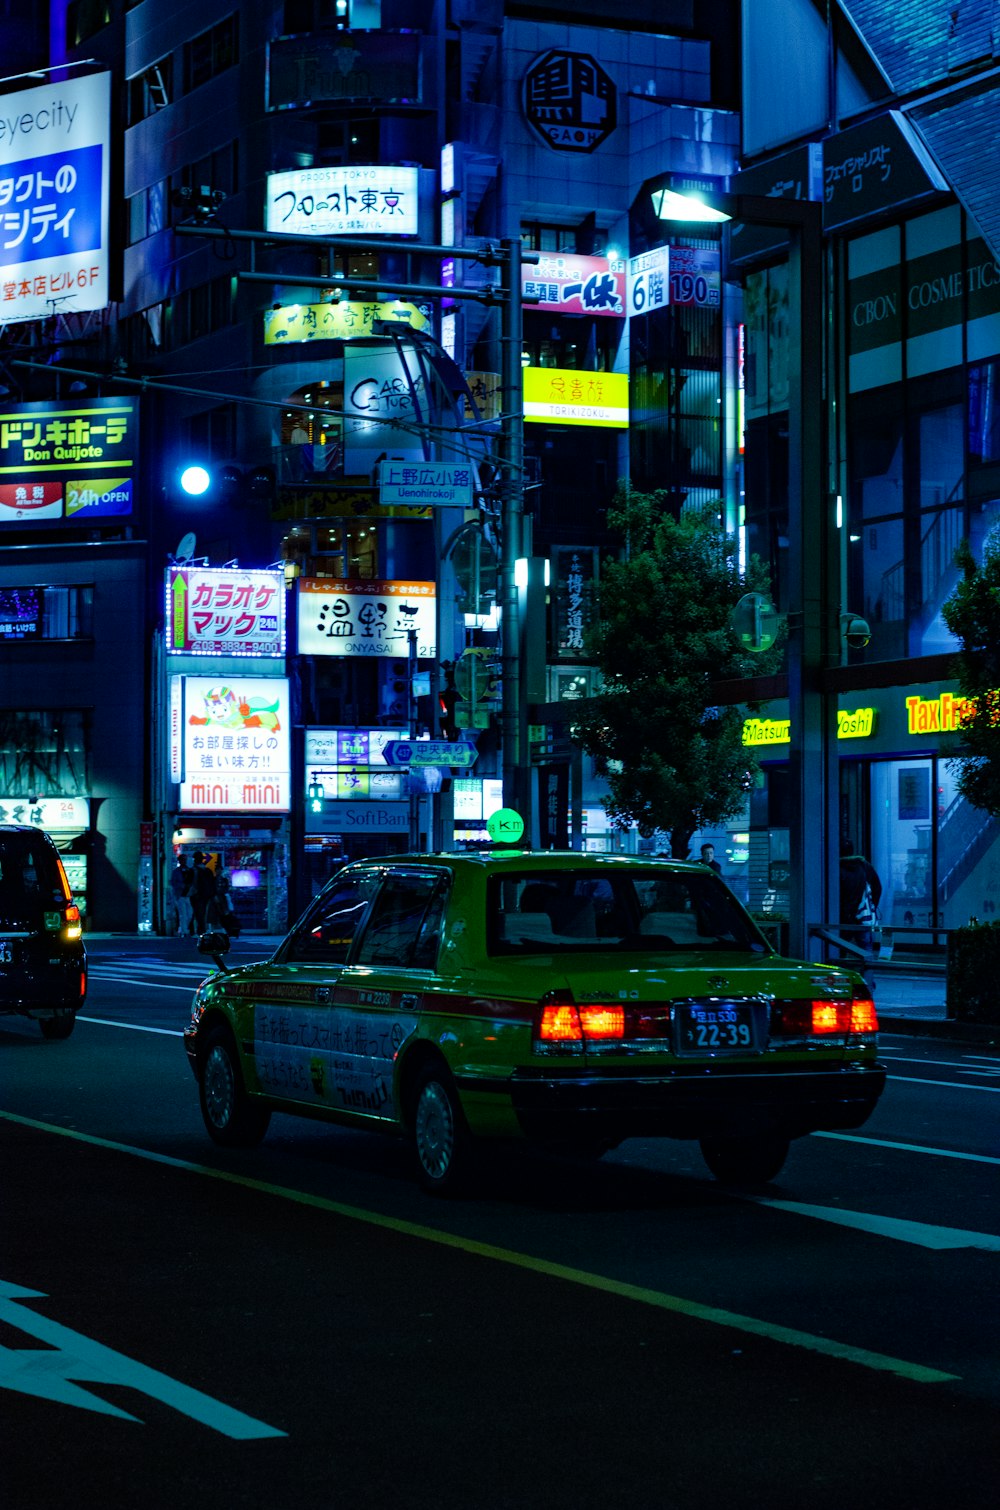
point(819, 1019)
point(561, 1023)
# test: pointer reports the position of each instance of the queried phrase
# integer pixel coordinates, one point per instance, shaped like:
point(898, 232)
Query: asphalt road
point(300, 1325)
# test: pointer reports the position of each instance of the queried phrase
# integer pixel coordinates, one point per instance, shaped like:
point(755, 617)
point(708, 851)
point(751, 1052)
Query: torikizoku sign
point(54, 194)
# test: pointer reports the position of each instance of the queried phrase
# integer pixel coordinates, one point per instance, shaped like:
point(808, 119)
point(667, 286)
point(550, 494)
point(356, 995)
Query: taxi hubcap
point(219, 1089)
point(435, 1130)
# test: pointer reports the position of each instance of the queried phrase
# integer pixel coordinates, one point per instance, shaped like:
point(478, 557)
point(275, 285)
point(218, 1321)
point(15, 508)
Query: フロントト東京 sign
point(343, 200)
point(225, 611)
point(360, 618)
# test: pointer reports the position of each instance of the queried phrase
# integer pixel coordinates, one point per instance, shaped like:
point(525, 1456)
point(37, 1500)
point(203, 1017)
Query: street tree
point(972, 613)
point(673, 755)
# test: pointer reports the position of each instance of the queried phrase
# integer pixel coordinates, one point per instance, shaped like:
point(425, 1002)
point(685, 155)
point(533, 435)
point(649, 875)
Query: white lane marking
point(952, 1085)
point(917, 1372)
point(134, 1027)
point(942, 1153)
point(921, 1234)
point(53, 1373)
point(989, 1067)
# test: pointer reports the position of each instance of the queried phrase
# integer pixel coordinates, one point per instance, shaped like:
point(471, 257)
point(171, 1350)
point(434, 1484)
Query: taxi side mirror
point(215, 943)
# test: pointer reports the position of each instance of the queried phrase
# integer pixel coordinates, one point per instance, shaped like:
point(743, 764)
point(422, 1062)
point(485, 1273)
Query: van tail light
point(83, 986)
point(71, 921)
point(819, 1019)
point(562, 1026)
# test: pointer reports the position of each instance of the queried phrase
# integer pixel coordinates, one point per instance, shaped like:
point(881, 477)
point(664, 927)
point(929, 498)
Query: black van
point(43, 964)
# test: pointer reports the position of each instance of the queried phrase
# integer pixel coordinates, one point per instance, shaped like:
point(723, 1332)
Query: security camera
point(855, 630)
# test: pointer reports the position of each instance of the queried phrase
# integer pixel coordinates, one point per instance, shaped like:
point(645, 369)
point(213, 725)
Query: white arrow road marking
point(51, 1373)
point(919, 1233)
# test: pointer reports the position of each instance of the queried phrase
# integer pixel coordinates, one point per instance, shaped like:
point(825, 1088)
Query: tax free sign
point(54, 196)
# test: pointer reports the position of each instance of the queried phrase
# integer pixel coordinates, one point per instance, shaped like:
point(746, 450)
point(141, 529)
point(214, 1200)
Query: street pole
point(516, 773)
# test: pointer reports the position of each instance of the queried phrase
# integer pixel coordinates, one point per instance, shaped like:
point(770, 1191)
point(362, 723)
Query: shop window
point(44, 753)
point(84, 18)
point(211, 53)
point(151, 90)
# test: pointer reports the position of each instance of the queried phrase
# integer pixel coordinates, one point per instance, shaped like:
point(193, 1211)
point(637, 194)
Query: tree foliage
point(972, 613)
point(674, 759)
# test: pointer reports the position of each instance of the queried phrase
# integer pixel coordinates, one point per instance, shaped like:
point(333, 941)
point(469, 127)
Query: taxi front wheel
point(231, 1118)
point(441, 1140)
point(745, 1161)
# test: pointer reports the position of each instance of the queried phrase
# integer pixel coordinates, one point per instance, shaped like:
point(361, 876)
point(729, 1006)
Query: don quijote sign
point(570, 101)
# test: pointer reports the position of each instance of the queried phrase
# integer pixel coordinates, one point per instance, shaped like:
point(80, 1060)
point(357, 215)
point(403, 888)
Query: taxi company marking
point(53, 1372)
point(916, 1372)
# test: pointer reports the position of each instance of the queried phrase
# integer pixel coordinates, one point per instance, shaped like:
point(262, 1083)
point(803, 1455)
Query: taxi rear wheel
point(231, 1118)
point(745, 1161)
point(441, 1140)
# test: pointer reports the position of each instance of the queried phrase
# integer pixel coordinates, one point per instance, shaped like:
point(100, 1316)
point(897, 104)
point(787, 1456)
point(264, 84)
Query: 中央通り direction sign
point(429, 752)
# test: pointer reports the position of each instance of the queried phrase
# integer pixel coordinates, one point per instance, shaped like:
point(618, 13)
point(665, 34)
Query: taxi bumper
point(698, 1104)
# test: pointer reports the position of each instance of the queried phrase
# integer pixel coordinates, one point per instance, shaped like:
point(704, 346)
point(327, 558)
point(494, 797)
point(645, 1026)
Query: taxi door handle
point(323, 996)
point(407, 1003)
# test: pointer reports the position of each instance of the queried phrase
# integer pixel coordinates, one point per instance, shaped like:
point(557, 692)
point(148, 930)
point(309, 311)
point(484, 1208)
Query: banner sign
point(647, 281)
point(58, 462)
point(338, 322)
point(695, 277)
point(365, 618)
point(348, 781)
point(224, 611)
point(575, 595)
point(426, 484)
point(567, 396)
point(379, 390)
point(54, 814)
point(236, 745)
point(343, 201)
point(563, 283)
point(54, 197)
point(339, 66)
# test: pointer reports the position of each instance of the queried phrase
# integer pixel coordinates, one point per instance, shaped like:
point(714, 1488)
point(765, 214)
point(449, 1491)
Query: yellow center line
point(658, 1299)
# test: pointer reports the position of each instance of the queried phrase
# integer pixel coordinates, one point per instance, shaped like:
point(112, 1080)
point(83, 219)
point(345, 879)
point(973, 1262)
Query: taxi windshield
point(628, 911)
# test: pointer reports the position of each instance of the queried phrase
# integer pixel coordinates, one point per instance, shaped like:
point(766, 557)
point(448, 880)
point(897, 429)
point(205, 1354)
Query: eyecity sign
point(54, 197)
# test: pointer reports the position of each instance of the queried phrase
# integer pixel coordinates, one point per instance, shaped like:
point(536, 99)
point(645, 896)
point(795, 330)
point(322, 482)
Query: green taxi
point(572, 1000)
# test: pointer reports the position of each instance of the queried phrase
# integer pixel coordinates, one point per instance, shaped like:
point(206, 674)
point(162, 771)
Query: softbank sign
point(54, 195)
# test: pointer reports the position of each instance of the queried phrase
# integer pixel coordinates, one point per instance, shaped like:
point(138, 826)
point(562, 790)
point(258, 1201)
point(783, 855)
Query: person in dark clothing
point(860, 893)
point(202, 889)
point(708, 858)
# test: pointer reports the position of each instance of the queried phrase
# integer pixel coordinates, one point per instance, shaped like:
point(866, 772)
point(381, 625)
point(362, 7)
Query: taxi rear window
point(31, 881)
point(629, 911)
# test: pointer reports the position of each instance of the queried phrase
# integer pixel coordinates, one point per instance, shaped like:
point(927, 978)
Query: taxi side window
point(327, 932)
point(401, 930)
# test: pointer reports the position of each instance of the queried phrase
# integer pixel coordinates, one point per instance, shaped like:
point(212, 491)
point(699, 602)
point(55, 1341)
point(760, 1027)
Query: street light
point(813, 639)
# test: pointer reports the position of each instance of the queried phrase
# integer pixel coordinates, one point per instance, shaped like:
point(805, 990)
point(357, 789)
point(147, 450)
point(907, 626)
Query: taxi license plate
point(6, 952)
point(715, 1027)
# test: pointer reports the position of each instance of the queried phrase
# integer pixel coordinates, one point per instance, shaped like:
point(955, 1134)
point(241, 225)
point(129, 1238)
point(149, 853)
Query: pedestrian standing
point(202, 890)
point(181, 878)
point(860, 894)
point(221, 912)
point(708, 858)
